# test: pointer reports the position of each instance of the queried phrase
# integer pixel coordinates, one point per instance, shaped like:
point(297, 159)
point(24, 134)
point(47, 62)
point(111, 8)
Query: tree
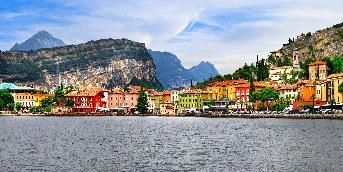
point(5, 98)
point(47, 103)
point(69, 102)
point(286, 61)
point(272, 60)
point(18, 106)
point(266, 94)
point(59, 95)
point(337, 64)
point(142, 105)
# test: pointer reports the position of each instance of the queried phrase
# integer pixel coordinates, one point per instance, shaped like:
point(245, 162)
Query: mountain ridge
point(173, 74)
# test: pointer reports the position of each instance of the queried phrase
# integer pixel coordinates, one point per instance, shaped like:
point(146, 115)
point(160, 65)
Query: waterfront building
point(243, 93)
point(89, 100)
point(167, 108)
point(333, 82)
point(217, 90)
point(21, 94)
point(321, 90)
point(224, 90)
point(192, 99)
point(288, 91)
point(125, 100)
point(318, 70)
point(154, 100)
point(306, 92)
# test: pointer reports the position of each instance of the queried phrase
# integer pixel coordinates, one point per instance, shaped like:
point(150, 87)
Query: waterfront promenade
point(213, 115)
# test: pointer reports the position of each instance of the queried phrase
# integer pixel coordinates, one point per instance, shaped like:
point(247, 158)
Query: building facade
point(318, 71)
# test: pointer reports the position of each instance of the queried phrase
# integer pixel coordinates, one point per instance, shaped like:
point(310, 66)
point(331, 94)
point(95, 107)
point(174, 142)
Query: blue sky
point(225, 32)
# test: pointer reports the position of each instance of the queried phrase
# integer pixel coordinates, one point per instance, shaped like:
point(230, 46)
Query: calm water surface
point(164, 144)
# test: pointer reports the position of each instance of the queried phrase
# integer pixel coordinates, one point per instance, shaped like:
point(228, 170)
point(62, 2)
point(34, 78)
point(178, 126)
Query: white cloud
point(228, 43)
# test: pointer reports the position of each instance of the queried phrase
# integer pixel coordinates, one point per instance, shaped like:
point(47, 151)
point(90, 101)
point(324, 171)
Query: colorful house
point(306, 92)
point(120, 99)
point(89, 101)
point(192, 99)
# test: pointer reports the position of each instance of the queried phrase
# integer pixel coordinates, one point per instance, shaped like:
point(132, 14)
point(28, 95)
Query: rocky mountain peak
point(41, 39)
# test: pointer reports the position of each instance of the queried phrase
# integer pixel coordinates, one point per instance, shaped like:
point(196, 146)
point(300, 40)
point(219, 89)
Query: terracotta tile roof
point(335, 75)
point(287, 87)
point(228, 82)
point(195, 91)
point(317, 63)
point(262, 84)
point(87, 92)
point(167, 92)
point(281, 67)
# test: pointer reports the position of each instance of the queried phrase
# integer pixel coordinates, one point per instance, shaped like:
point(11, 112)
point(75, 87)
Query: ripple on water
point(179, 144)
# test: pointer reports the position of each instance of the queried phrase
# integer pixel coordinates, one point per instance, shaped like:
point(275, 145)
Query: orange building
point(306, 92)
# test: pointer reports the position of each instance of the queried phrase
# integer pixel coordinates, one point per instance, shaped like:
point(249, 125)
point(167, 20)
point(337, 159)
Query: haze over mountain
point(42, 39)
point(171, 73)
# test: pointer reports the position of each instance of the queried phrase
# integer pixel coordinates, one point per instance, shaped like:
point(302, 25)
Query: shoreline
point(248, 116)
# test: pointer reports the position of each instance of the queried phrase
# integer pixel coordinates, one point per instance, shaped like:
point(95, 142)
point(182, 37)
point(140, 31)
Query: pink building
point(123, 100)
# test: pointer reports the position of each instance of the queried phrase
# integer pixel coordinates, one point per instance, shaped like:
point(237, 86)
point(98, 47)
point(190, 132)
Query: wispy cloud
point(227, 33)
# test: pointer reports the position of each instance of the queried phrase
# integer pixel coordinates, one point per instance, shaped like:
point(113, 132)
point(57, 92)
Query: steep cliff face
point(106, 62)
point(323, 43)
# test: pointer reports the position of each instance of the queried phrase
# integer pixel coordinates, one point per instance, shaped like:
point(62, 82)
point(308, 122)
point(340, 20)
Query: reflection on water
point(146, 143)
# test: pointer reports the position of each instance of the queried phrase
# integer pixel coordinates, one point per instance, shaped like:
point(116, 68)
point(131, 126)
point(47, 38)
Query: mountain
point(203, 71)
point(42, 39)
point(323, 43)
point(170, 71)
point(105, 62)
point(172, 74)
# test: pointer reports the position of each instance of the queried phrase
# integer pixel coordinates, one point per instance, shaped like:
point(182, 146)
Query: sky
point(226, 33)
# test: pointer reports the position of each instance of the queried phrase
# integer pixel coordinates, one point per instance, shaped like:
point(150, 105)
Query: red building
point(243, 93)
point(89, 101)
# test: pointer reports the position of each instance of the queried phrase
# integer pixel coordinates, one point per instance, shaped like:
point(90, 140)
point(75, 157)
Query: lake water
point(164, 144)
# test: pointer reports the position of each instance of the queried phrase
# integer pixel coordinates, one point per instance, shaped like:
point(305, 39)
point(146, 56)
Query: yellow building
point(225, 90)
point(333, 82)
point(39, 97)
point(192, 99)
point(321, 90)
point(25, 99)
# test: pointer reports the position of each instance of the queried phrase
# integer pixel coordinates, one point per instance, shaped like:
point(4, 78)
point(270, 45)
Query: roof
point(335, 75)
point(287, 87)
point(281, 67)
point(7, 86)
point(228, 82)
point(317, 63)
point(87, 92)
point(195, 91)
